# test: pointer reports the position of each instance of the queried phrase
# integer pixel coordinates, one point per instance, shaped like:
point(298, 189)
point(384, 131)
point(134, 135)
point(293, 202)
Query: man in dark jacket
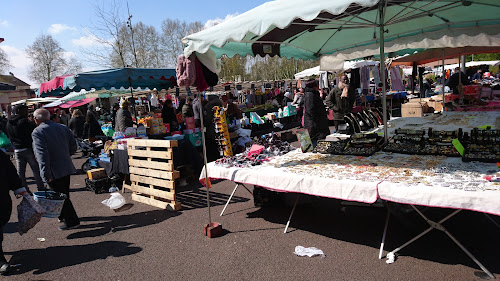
point(53, 145)
point(187, 108)
point(10, 181)
point(19, 130)
point(341, 100)
point(457, 78)
point(315, 118)
point(168, 115)
point(210, 136)
point(123, 118)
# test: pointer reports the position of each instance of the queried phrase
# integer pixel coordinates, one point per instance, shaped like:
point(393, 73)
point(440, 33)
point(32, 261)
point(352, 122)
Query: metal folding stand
point(291, 214)
point(433, 225)
point(234, 190)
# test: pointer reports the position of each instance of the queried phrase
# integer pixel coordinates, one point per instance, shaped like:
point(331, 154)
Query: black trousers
point(2, 257)
point(68, 213)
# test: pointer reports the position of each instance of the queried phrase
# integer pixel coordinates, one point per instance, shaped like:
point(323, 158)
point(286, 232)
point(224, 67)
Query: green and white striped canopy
point(312, 29)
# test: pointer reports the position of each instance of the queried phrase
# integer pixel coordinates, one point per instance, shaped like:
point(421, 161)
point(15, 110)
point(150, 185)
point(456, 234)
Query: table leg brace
point(230, 197)
point(439, 226)
point(291, 214)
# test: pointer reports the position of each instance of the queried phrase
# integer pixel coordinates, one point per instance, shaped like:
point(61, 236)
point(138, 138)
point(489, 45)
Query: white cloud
point(87, 41)
point(57, 28)
point(68, 55)
point(20, 63)
point(216, 21)
point(4, 23)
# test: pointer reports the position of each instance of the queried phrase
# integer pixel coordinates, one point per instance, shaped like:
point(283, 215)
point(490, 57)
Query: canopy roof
point(117, 78)
point(347, 65)
point(310, 29)
point(431, 55)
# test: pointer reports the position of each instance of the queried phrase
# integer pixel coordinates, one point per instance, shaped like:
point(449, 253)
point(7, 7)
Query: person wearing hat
point(315, 118)
point(123, 118)
point(341, 100)
point(19, 130)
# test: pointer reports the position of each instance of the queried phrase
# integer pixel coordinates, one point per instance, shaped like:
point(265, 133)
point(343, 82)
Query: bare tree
point(108, 35)
point(48, 59)
point(172, 33)
point(4, 62)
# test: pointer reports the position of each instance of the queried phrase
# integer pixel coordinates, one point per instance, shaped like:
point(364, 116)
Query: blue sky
point(22, 21)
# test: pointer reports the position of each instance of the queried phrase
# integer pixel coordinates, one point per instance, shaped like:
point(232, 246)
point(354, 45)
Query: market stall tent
point(432, 55)
point(346, 66)
point(350, 30)
point(116, 78)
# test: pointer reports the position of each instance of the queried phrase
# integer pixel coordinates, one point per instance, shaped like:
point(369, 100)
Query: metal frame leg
point(383, 235)
point(492, 220)
point(439, 226)
point(230, 197)
point(291, 214)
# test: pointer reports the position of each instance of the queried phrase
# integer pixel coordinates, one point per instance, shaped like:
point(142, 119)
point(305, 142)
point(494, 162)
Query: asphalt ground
point(147, 243)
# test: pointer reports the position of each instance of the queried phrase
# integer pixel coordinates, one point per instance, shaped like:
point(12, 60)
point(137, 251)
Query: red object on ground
point(212, 230)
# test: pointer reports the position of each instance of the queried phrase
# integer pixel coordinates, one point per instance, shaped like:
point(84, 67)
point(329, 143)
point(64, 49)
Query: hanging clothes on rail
point(396, 82)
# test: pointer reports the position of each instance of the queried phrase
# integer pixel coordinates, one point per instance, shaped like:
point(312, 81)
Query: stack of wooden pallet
point(152, 174)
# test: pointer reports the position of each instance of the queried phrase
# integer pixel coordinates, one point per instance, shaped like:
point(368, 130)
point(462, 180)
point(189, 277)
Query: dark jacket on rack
point(19, 130)
point(340, 105)
point(76, 126)
point(315, 118)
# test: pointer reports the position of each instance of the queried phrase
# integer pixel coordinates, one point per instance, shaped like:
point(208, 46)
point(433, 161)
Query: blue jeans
point(28, 157)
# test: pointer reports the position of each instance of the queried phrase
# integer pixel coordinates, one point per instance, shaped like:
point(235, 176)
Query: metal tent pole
point(382, 67)
point(205, 158)
point(443, 80)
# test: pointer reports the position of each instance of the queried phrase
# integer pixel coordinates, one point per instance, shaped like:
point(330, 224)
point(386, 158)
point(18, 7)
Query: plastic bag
point(4, 140)
point(310, 252)
point(29, 213)
point(115, 201)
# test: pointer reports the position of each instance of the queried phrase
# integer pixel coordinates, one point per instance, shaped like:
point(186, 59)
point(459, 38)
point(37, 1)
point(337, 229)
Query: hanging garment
point(396, 82)
point(154, 101)
point(323, 80)
point(185, 71)
point(355, 79)
point(210, 60)
point(365, 77)
point(201, 83)
point(376, 74)
point(211, 78)
point(262, 89)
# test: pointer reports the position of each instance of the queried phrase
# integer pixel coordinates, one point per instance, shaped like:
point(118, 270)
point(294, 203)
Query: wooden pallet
point(152, 173)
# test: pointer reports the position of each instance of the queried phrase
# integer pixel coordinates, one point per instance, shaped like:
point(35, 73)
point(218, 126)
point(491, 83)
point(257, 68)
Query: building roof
point(13, 80)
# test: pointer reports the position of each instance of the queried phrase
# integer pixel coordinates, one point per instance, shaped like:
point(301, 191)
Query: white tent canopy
point(346, 66)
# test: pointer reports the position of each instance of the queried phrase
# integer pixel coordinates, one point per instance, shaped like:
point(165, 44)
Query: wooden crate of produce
point(152, 173)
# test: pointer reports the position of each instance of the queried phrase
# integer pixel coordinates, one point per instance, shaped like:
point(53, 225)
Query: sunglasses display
point(222, 133)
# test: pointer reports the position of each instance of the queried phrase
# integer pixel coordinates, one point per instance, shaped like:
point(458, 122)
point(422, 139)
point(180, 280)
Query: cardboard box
point(437, 105)
point(96, 174)
point(190, 125)
point(290, 111)
point(414, 109)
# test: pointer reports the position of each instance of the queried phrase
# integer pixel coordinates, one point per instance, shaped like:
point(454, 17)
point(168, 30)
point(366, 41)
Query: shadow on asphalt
point(53, 258)
point(196, 198)
point(364, 226)
point(99, 226)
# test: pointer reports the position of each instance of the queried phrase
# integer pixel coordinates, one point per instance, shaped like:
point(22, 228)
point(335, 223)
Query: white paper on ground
point(310, 252)
point(115, 201)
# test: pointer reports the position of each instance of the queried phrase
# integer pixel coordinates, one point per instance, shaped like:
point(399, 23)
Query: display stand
point(152, 173)
point(433, 225)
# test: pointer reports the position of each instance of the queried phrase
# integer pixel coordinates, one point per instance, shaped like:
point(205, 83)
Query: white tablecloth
point(410, 179)
point(281, 179)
